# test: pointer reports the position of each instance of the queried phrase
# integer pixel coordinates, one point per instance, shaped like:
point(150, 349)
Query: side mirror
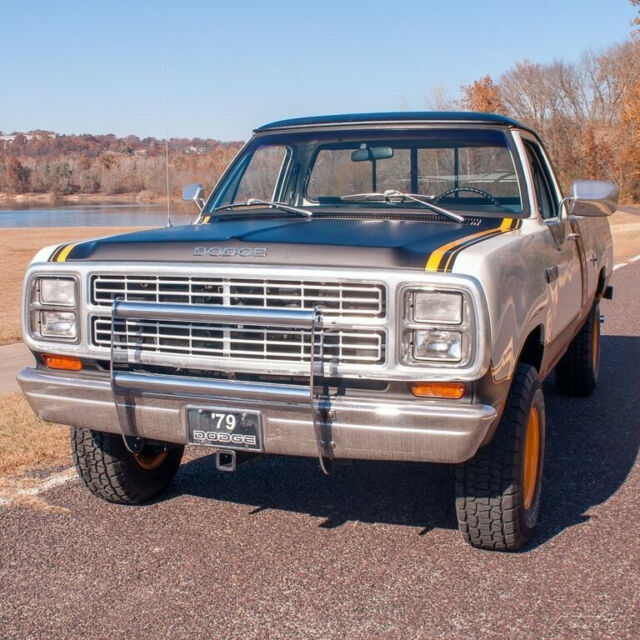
point(593, 198)
point(194, 192)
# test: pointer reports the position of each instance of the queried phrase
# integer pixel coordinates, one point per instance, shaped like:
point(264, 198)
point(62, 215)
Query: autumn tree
point(17, 176)
point(636, 21)
point(483, 95)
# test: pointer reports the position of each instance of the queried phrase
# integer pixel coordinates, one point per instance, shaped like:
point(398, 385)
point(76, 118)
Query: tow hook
point(226, 461)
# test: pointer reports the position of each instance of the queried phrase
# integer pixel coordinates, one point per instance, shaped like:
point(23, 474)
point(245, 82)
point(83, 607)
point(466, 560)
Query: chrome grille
point(248, 342)
point(337, 299)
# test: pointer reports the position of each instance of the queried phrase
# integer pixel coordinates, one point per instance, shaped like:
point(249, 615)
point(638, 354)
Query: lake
point(98, 215)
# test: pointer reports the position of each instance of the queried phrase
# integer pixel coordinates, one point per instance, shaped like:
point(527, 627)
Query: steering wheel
point(484, 194)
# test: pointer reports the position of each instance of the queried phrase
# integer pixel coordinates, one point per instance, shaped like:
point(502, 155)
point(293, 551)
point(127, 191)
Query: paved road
point(276, 550)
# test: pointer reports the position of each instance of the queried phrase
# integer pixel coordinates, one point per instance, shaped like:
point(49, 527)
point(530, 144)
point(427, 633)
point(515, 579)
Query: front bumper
point(362, 428)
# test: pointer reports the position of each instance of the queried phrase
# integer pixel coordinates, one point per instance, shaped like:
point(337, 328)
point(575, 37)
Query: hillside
point(39, 165)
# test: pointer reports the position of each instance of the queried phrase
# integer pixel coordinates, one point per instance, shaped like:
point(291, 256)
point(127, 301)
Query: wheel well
point(533, 349)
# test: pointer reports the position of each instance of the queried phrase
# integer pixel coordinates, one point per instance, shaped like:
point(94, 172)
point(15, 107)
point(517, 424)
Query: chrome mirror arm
point(561, 206)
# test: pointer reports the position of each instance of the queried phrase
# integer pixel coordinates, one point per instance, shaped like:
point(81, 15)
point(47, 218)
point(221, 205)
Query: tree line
point(45, 162)
point(587, 112)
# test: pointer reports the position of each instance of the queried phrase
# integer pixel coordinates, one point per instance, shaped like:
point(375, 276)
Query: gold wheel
point(150, 462)
point(531, 457)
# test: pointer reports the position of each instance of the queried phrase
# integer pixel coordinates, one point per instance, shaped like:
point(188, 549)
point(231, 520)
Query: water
point(98, 215)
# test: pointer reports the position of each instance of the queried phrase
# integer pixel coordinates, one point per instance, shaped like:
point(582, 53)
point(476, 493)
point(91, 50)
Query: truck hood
point(321, 241)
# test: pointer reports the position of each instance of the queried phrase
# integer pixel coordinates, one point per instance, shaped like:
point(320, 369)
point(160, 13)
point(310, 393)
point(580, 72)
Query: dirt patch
point(17, 248)
point(27, 491)
point(26, 442)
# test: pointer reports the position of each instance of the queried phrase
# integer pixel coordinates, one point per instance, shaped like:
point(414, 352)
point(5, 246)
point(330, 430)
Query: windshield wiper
point(392, 193)
point(251, 202)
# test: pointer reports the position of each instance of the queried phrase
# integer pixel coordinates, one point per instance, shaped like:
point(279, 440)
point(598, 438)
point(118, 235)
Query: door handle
point(572, 236)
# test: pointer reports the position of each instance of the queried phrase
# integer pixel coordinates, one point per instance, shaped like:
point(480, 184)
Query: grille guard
point(124, 382)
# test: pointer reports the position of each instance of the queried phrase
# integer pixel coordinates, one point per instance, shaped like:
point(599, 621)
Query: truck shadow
point(592, 443)
point(591, 447)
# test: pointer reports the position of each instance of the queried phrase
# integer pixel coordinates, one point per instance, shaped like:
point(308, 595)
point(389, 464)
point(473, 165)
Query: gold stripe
point(472, 241)
point(438, 254)
point(206, 219)
point(64, 253)
point(435, 259)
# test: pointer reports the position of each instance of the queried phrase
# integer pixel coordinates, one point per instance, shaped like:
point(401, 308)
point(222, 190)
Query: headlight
point(58, 291)
point(438, 327)
point(437, 307)
point(52, 307)
point(58, 324)
point(436, 344)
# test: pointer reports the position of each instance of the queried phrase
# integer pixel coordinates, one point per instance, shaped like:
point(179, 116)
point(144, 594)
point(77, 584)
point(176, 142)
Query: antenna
point(166, 149)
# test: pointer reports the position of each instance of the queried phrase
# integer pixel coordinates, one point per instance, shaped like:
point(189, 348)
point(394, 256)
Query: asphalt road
point(277, 550)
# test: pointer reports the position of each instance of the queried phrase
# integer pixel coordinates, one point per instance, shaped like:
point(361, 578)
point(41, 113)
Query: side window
point(261, 175)
point(542, 183)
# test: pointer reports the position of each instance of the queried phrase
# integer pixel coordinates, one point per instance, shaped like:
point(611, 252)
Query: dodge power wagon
point(389, 286)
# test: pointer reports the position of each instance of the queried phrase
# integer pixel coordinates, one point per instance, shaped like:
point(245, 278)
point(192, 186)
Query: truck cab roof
point(393, 117)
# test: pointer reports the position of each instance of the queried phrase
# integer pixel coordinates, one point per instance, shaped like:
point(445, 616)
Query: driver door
point(564, 261)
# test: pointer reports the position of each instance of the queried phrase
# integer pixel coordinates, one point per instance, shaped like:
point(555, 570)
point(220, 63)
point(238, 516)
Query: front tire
point(498, 490)
point(577, 371)
point(111, 472)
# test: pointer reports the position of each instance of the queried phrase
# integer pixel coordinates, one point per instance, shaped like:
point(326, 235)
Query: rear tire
point(577, 371)
point(111, 472)
point(498, 490)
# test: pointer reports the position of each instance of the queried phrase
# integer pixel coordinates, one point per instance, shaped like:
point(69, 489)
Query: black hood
point(322, 241)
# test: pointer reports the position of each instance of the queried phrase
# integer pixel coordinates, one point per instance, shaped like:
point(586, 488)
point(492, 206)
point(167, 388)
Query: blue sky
point(98, 67)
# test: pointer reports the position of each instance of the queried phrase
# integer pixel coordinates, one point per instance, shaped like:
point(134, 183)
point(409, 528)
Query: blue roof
point(395, 116)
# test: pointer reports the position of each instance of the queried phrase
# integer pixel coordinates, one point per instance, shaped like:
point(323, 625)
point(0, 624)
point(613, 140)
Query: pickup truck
point(387, 286)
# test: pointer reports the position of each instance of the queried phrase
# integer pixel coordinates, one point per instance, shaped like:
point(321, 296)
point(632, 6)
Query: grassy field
point(17, 248)
point(27, 442)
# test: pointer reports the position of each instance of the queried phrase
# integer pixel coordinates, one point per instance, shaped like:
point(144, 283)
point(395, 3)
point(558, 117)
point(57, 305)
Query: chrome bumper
point(367, 428)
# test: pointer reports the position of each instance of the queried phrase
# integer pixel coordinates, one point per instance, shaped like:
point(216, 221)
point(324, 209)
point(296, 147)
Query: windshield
point(463, 170)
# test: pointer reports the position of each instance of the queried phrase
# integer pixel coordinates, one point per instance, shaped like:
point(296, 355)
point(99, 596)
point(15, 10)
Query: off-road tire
point(490, 488)
point(577, 371)
point(111, 472)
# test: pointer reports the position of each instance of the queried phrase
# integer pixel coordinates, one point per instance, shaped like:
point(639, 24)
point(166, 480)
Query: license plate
point(224, 429)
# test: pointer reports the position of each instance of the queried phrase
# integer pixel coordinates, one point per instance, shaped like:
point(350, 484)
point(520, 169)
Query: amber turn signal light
point(69, 363)
point(451, 390)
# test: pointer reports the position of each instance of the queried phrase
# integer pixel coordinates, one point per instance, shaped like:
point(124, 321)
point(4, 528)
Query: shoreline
point(25, 200)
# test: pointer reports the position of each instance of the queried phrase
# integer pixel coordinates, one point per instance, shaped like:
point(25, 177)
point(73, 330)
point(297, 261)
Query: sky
point(227, 67)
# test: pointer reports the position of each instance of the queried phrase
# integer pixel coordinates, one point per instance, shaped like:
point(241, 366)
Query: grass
point(17, 248)
point(26, 442)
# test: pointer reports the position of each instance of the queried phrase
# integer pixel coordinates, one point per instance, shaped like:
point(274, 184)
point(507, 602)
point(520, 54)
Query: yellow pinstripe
point(62, 256)
point(433, 263)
